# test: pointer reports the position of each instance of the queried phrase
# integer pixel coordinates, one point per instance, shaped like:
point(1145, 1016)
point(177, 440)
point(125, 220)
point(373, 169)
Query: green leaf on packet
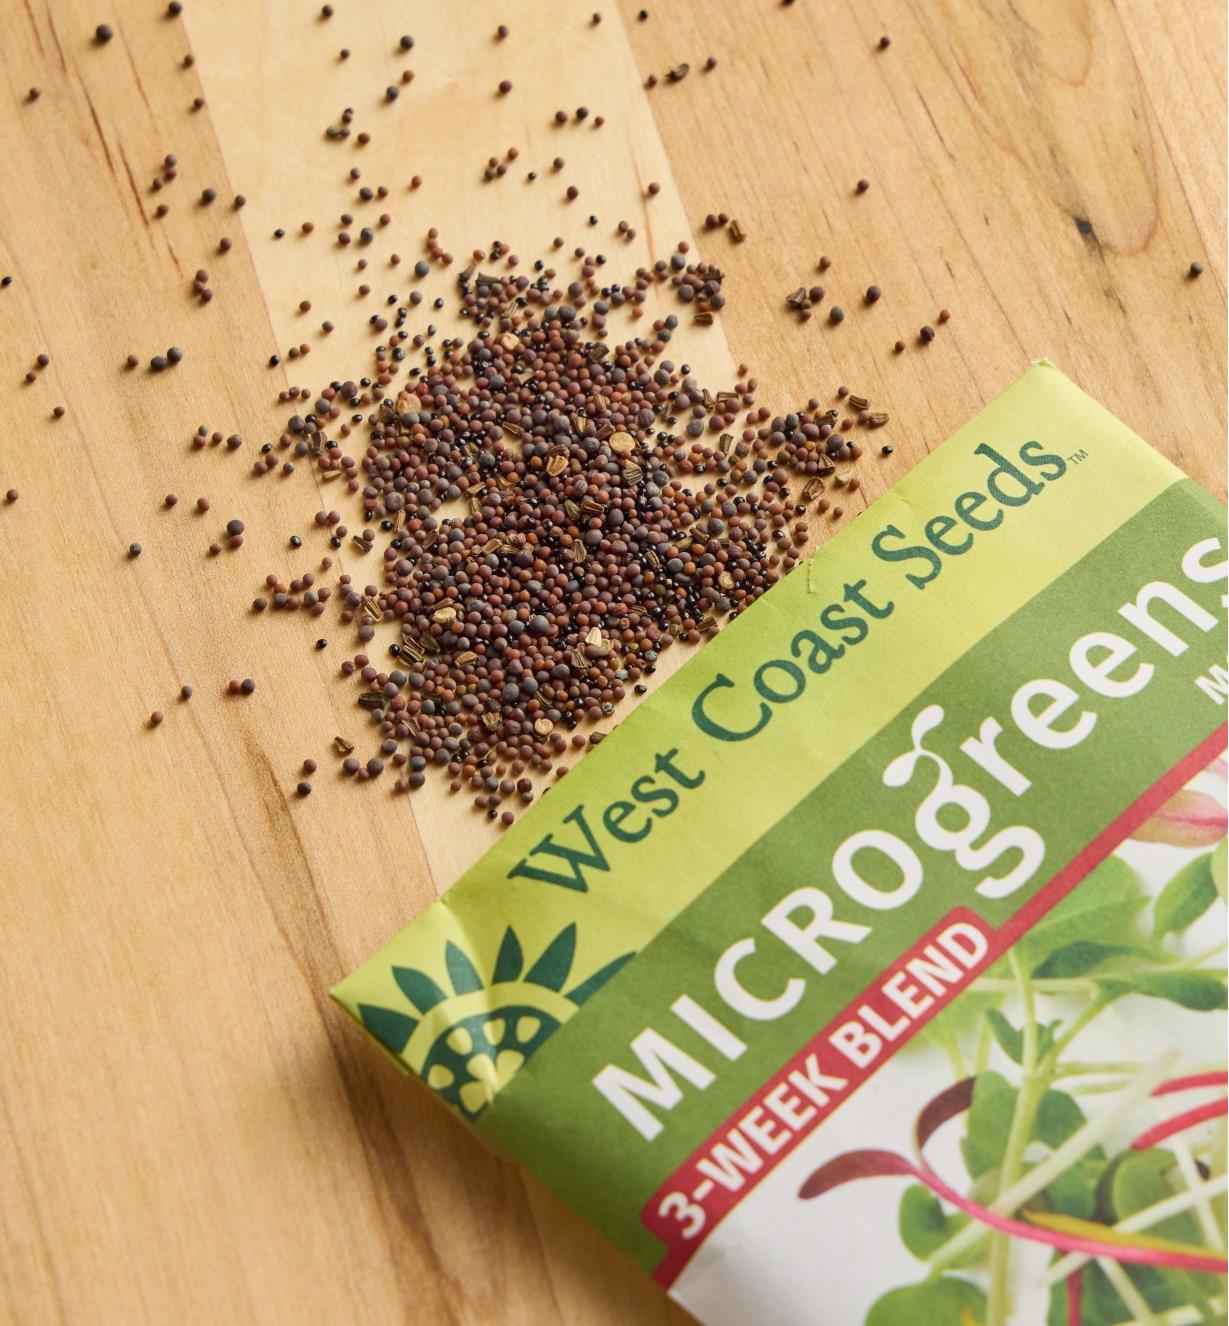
point(1106, 903)
point(1141, 1179)
point(924, 1225)
point(1185, 898)
point(989, 1122)
point(1074, 1192)
point(1220, 869)
point(1084, 955)
point(947, 1301)
point(1010, 1039)
point(1201, 991)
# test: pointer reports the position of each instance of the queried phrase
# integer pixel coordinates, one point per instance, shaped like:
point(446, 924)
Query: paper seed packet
point(873, 970)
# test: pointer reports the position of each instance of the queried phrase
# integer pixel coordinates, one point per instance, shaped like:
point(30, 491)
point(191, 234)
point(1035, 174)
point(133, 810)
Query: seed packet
point(873, 970)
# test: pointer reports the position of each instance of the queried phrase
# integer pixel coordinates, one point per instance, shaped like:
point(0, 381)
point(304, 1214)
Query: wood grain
point(188, 1130)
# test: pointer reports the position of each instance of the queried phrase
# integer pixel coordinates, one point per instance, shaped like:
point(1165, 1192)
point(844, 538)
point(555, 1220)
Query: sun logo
point(467, 1043)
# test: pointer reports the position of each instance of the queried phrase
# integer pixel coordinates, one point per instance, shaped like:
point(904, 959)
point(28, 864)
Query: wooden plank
point(189, 1129)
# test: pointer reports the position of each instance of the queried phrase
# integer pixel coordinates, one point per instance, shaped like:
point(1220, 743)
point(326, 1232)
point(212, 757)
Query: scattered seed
point(1195, 269)
point(103, 33)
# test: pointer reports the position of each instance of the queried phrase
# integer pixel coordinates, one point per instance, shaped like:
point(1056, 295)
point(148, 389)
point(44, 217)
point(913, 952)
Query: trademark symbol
point(1077, 456)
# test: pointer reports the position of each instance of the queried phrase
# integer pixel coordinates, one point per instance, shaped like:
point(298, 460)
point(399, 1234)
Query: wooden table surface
point(189, 1130)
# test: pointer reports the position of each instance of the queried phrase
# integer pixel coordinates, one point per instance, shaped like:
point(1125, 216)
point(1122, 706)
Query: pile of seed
point(542, 546)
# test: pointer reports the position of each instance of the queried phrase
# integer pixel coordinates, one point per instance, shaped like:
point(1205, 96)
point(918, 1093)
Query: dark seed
point(1195, 269)
point(134, 549)
point(836, 313)
point(103, 33)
